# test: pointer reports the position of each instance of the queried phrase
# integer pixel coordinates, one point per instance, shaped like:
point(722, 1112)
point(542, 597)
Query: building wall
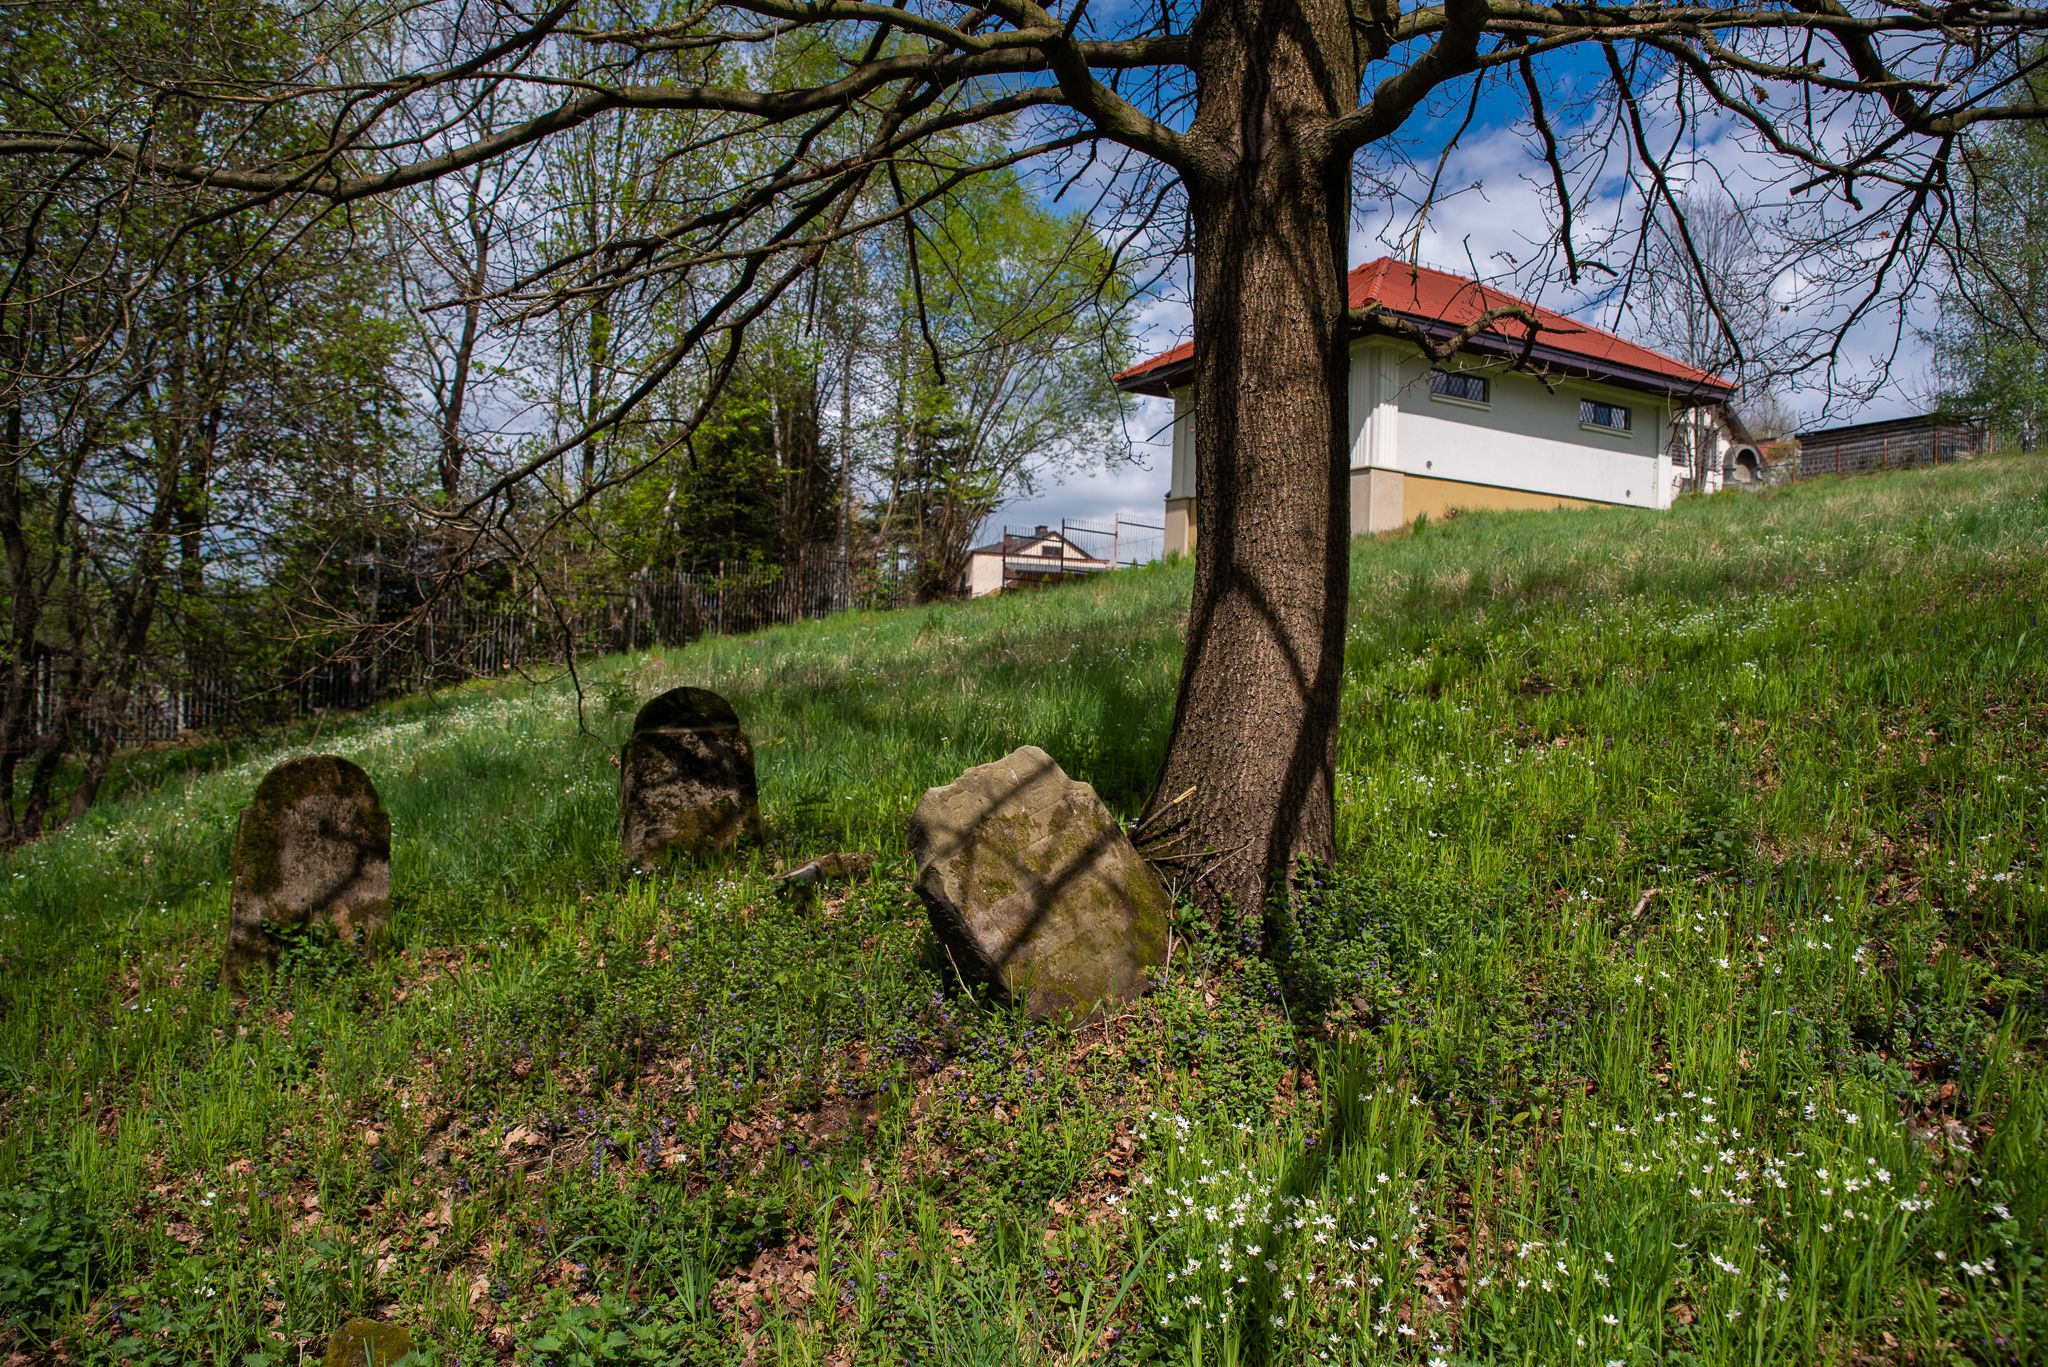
point(1378, 501)
point(1180, 481)
point(1705, 431)
point(990, 571)
point(1414, 452)
point(1526, 438)
point(984, 575)
point(1434, 498)
point(1180, 524)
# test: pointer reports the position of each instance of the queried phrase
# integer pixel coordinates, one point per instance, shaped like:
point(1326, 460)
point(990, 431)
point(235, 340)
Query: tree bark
point(452, 413)
point(1248, 781)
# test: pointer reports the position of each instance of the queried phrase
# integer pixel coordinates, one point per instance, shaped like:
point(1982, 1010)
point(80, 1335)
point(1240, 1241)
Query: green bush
point(48, 1247)
point(614, 1331)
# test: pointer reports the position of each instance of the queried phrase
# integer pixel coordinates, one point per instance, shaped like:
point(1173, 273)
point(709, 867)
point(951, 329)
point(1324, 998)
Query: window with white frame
point(1461, 385)
point(1612, 416)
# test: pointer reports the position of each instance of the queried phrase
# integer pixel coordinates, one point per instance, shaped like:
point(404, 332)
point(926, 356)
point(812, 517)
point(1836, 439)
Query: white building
point(1575, 418)
point(1026, 560)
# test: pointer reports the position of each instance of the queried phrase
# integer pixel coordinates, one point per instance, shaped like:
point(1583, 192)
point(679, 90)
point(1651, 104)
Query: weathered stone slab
point(367, 1343)
point(686, 780)
point(312, 847)
point(1033, 887)
point(825, 871)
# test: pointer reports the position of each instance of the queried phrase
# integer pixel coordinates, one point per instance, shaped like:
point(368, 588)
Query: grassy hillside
point(1678, 996)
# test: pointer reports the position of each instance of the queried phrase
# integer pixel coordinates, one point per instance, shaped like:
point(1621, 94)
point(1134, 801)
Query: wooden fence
point(1928, 439)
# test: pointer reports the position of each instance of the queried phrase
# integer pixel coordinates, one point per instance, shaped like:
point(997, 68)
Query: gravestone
point(313, 847)
point(367, 1343)
point(1034, 888)
point(686, 780)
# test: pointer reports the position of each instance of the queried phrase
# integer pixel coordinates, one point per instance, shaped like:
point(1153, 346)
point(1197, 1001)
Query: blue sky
point(1493, 207)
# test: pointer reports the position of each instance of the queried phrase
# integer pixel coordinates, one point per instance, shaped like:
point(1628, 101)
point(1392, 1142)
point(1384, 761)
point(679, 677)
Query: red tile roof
point(1442, 304)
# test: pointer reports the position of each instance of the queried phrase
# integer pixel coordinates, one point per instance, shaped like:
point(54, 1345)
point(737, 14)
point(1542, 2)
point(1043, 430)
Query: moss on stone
point(686, 709)
point(367, 1343)
point(1034, 888)
point(269, 897)
point(259, 838)
point(686, 780)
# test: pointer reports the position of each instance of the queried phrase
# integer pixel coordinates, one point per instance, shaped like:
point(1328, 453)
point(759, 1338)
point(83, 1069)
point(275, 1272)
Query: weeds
point(1677, 995)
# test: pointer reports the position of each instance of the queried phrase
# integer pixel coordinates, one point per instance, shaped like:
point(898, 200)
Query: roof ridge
point(1593, 329)
point(1368, 285)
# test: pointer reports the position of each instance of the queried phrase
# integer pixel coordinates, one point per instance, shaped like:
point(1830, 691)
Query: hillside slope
point(1680, 989)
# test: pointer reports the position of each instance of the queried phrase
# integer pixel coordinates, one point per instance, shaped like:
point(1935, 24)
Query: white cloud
point(1135, 492)
point(1494, 211)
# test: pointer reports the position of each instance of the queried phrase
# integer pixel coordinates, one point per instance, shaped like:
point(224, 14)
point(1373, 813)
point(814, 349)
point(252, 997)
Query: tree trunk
point(846, 456)
point(452, 436)
point(1248, 782)
point(600, 358)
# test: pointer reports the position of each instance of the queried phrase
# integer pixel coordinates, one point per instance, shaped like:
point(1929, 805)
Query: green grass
point(1678, 995)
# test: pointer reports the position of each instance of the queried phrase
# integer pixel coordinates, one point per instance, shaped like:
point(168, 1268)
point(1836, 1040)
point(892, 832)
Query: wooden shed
point(1926, 439)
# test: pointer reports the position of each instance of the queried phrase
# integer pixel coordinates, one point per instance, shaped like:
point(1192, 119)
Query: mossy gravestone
point(1033, 887)
point(313, 849)
point(686, 780)
point(366, 1343)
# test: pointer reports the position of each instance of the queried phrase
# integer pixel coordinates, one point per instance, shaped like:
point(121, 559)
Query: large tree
point(1991, 349)
point(1238, 125)
point(184, 380)
point(1000, 370)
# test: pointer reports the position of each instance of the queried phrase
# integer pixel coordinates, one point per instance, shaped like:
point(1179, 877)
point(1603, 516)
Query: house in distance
point(1042, 556)
point(1585, 418)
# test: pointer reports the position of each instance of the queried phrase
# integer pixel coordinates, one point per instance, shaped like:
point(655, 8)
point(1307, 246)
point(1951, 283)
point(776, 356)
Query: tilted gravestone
point(686, 779)
point(1033, 887)
point(313, 847)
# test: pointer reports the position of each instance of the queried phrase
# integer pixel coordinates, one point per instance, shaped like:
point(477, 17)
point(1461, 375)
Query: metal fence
point(1123, 543)
point(444, 642)
point(452, 639)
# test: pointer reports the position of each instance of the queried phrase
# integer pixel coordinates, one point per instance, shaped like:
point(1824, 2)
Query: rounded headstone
point(313, 847)
point(686, 780)
point(1034, 888)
